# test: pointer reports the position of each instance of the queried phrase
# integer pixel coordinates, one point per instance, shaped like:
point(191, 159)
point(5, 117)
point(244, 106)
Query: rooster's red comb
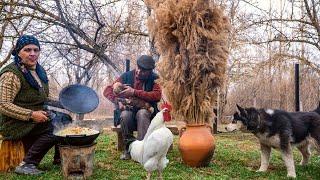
point(166, 105)
point(166, 114)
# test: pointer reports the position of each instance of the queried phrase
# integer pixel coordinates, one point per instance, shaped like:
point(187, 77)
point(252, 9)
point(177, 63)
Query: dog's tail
point(315, 130)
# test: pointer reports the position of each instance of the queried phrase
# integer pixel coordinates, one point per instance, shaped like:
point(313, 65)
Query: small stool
point(77, 161)
point(11, 154)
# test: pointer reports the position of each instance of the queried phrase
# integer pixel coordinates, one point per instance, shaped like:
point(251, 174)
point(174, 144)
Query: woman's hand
point(39, 116)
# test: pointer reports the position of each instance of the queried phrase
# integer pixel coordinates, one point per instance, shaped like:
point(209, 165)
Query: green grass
point(236, 156)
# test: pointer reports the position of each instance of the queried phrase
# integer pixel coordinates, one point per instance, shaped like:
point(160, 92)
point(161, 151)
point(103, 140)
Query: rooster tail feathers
point(136, 150)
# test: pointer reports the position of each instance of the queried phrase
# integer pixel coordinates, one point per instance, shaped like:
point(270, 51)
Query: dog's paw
point(261, 170)
point(291, 175)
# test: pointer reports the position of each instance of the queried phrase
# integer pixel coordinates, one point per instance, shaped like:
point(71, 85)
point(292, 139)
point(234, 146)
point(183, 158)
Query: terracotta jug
point(196, 145)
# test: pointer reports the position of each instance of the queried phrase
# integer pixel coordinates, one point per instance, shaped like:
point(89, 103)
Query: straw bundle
point(191, 38)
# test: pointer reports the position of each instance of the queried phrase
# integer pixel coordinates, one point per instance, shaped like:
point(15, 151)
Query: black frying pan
point(77, 140)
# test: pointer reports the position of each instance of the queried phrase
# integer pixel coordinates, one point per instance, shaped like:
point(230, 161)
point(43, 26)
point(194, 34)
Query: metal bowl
point(79, 99)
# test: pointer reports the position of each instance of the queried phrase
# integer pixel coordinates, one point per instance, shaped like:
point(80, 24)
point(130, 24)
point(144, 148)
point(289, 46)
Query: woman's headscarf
point(23, 41)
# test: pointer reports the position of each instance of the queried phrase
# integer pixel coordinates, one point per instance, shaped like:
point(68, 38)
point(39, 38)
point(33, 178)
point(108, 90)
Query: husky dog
point(280, 130)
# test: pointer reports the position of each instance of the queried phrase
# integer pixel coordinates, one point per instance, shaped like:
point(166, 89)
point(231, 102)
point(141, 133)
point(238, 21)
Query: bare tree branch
point(96, 49)
point(314, 17)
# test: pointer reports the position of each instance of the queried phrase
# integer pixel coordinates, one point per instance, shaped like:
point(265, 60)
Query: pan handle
point(76, 135)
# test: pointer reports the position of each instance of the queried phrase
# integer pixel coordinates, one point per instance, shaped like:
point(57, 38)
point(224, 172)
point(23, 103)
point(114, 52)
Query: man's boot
point(125, 155)
point(28, 169)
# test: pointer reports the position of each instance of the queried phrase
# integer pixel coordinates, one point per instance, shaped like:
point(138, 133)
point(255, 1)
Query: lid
point(79, 99)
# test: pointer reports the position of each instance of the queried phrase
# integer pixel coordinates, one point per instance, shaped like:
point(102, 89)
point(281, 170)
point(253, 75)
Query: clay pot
point(196, 145)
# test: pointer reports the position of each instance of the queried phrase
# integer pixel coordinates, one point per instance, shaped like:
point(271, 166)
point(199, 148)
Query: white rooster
point(152, 150)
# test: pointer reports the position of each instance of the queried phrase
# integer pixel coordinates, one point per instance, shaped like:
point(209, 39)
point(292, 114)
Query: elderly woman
point(23, 91)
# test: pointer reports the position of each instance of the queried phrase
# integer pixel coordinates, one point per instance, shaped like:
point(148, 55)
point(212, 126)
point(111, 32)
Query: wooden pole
point(297, 93)
point(127, 65)
point(217, 113)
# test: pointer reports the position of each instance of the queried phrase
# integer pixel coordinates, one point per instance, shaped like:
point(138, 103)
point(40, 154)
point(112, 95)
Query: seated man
point(138, 88)
point(23, 91)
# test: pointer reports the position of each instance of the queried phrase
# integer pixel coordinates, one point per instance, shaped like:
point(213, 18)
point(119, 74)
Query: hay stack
point(191, 38)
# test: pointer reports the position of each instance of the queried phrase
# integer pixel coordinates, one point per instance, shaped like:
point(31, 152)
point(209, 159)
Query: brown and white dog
point(280, 130)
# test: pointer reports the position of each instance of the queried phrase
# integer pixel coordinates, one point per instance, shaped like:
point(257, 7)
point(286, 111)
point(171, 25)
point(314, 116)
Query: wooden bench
point(120, 142)
point(11, 154)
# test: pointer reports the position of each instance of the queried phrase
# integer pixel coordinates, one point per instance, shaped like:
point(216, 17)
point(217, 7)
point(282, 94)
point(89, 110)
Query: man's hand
point(39, 116)
point(127, 92)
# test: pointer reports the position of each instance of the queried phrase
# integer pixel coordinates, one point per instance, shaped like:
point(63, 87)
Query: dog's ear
point(235, 117)
point(238, 117)
point(241, 110)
